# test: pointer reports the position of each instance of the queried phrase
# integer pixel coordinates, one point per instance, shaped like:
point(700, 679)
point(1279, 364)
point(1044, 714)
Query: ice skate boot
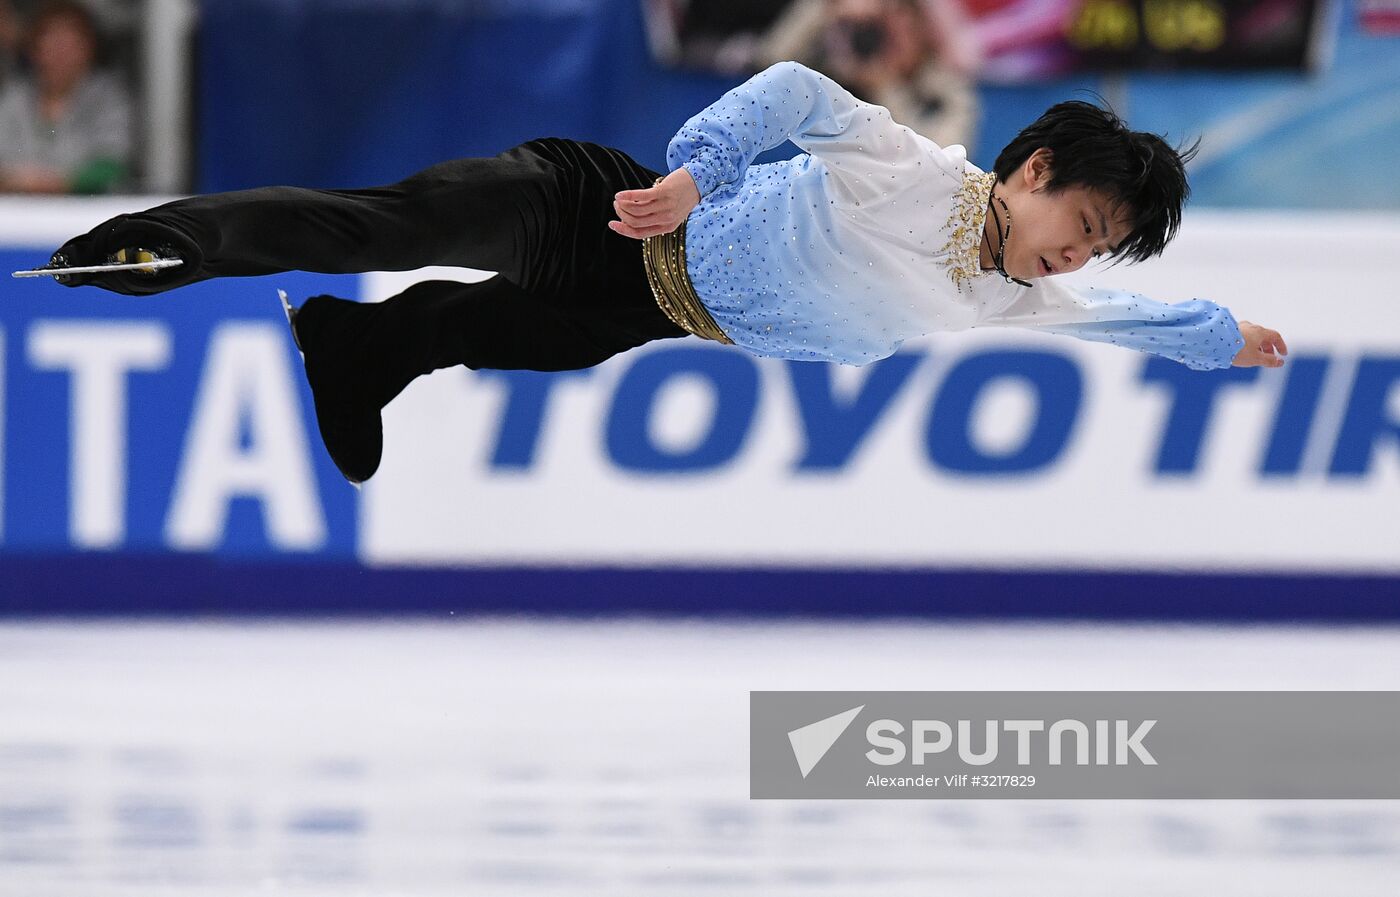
point(329, 334)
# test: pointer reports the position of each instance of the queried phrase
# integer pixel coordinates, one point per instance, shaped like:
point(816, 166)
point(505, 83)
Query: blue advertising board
point(160, 455)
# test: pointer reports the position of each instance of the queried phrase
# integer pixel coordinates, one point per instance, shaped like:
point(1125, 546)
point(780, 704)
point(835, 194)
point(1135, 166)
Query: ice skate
point(144, 261)
point(347, 414)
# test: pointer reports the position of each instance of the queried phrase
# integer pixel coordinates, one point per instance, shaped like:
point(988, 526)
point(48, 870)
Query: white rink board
point(1101, 504)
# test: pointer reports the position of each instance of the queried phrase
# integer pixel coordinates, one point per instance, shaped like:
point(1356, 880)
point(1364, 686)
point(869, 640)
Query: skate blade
point(291, 314)
point(151, 266)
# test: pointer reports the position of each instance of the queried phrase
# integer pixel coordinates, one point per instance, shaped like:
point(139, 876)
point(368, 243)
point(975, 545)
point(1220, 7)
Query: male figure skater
point(874, 235)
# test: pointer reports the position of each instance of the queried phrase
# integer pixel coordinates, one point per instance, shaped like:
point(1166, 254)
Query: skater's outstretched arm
point(1200, 334)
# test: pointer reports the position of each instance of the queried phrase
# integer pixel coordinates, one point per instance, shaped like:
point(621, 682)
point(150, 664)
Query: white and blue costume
point(871, 237)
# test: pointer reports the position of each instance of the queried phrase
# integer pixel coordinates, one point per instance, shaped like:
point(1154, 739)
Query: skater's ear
point(1038, 170)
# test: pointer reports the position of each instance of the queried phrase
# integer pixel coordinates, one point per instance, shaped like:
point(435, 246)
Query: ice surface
point(517, 757)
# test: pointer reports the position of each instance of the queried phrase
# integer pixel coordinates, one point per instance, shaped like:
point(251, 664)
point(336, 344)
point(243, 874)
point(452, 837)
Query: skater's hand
point(656, 210)
point(1259, 346)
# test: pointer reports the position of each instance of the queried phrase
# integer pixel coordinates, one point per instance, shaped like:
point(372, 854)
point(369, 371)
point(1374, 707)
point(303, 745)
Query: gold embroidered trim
point(664, 257)
point(962, 254)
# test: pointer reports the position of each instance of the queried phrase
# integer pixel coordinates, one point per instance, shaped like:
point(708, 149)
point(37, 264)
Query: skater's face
point(1055, 233)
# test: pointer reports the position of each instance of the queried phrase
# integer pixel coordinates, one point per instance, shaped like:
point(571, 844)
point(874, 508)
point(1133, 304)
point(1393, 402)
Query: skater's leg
point(359, 356)
point(589, 303)
point(507, 213)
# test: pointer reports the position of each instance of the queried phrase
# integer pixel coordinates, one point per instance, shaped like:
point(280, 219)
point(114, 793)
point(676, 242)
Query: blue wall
point(348, 93)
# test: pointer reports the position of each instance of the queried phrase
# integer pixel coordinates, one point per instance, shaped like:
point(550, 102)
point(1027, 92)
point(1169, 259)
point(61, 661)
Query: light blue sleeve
point(788, 101)
point(1200, 334)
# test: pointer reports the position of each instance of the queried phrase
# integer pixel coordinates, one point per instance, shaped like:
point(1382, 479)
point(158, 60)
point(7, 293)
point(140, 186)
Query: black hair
point(1092, 147)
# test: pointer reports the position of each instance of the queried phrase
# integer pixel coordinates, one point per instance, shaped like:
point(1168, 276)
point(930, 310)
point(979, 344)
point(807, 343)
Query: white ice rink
point(510, 757)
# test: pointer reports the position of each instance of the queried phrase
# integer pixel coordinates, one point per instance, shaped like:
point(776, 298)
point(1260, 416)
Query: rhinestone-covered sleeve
point(1200, 334)
point(862, 144)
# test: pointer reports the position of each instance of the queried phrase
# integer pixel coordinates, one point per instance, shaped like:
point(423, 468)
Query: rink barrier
point(159, 456)
point(99, 585)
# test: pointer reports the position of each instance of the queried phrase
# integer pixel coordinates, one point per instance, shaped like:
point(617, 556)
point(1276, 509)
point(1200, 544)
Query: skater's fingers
point(1267, 346)
point(625, 230)
point(1268, 341)
point(634, 215)
point(1256, 352)
point(639, 233)
point(634, 223)
point(1253, 358)
point(636, 197)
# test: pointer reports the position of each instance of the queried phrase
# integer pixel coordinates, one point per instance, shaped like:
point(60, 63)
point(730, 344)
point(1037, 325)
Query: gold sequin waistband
point(664, 257)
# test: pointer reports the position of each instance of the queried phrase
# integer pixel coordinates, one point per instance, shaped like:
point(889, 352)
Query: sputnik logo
point(810, 743)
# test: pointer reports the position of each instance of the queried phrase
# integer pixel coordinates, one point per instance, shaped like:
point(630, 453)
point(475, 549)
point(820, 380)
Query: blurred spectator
point(914, 57)
point(11, 33)
point(65, 128)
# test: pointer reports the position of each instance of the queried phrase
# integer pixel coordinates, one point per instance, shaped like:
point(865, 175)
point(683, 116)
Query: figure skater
point(872, 236)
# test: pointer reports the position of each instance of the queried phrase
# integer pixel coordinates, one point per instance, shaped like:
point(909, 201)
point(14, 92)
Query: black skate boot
point(127, 239)
point(331, 334)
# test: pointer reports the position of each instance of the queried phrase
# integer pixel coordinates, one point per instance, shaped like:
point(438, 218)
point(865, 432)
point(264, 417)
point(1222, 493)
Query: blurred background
point(518, 661)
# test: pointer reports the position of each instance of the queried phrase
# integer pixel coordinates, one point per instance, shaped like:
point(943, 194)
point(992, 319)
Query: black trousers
point(570, 292)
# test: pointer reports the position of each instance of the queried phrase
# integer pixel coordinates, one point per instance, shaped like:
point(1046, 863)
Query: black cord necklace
point(999, 257)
